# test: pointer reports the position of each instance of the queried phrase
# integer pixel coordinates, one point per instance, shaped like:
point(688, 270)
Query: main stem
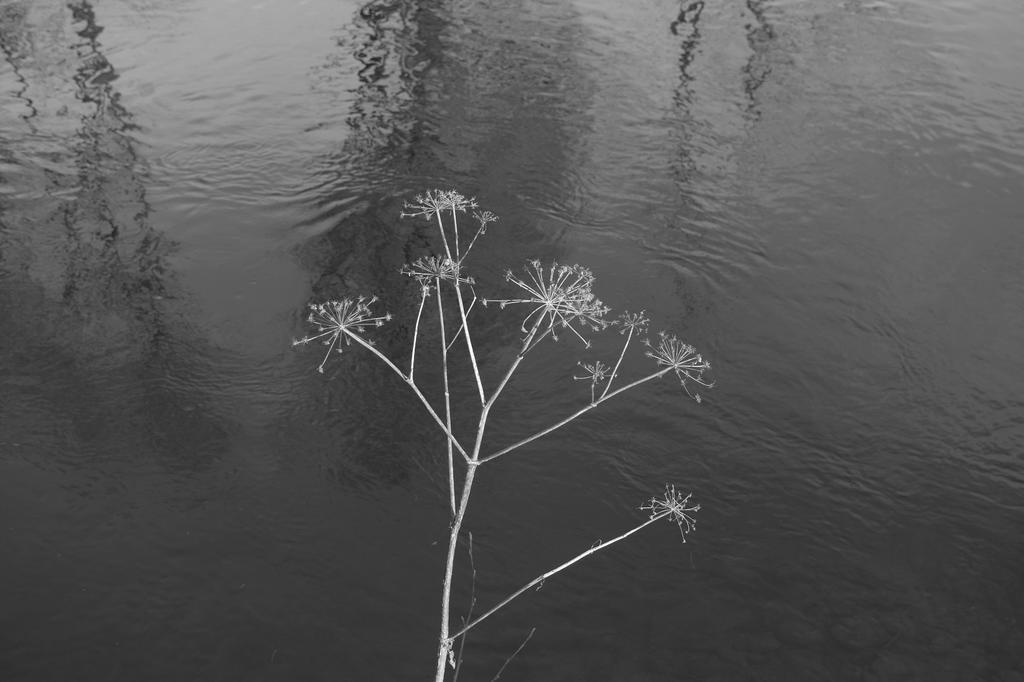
point(444, 644)
point(447, 397)
point(544, 576)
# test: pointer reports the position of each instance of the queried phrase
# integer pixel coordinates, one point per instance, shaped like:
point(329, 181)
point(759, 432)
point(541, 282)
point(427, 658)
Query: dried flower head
point(684, 360)
point(561, 298)
point(336, 320)
point(483, 218)
point(429, 269)
point(595, 373)
point(635, 323)
point(433, 201)
point(674, 507)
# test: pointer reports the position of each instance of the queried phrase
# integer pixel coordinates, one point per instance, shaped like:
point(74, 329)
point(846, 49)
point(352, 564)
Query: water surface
point(823, 197)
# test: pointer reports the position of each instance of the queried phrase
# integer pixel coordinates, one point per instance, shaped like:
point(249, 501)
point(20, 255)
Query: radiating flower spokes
point(595, 373)
point(684, 360)
point(562, 297)
point(483, 219)
point(337, 319)
point(676, 508)
point(433, 201)
point(430, 269)
point(632, 323)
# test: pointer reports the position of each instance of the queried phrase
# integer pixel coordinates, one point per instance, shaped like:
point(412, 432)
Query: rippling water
point(823, 196)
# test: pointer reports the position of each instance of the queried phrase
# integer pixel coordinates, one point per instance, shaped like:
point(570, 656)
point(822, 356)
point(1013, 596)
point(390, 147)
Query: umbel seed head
point(342, 319)
point(676, 508)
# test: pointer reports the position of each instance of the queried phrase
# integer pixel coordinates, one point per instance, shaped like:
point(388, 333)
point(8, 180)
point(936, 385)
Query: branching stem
point(416, 331)
point(574, 415)
point(458, 295)
point(615, 371)
point(544, 576)
point(419, 394)
point(447, 397)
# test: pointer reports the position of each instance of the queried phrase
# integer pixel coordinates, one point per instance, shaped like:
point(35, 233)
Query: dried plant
point(556, 297)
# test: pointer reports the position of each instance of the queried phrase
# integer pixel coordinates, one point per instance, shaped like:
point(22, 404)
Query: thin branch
point(615, 371)
point(444, 642)
point(544, 576)
point(365, 344)
point(573, 416)
point(514, 654)
point(416, 331)
point(444, 237)
point(447, 397)
point(527, 344)
point(458, 332)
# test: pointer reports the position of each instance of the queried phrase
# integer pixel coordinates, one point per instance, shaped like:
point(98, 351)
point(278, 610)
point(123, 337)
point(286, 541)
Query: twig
point(447, 397)
point(458, 295)
point(416, 331)
point(615, 371)
point(514, 654)
point(541, 578)
point(469, 613)
point(419, 394)
point(572, 416)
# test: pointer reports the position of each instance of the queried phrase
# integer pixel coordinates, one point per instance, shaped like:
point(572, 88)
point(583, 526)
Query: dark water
point(825, 197)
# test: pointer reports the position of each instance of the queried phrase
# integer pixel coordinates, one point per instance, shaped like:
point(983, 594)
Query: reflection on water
point(822, 197)
point(686, 25)
point(760, 36)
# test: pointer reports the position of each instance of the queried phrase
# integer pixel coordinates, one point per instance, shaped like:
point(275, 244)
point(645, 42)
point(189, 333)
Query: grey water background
point(824, 196)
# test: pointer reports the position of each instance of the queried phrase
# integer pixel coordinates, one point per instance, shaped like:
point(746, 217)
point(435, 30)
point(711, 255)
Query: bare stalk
point(515, 653)
point(458, 332)
point(416, 331)
point(544, 576)
point(447, 397)
point(444, 647)
point(574, 415)
point(615, 371)
point(387, 361)
point(458, 296)
point(444, 237)
point(469, 612)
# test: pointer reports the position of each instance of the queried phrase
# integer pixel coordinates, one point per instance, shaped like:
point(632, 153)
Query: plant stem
point(416, 332)
point(458, 295)
point(465, 323)
point(387, 361)
point(544, 576)
point(447, 397)
point(572, 416)
point(444, 641)
point(615, 371)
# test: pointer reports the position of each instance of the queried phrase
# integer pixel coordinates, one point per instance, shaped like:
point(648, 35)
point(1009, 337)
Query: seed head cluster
point(342, 319)
point(430, 269)
point(632, 322)
point(676, 508)
point(562, 298)
point(683, 358)
point(433, 201)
